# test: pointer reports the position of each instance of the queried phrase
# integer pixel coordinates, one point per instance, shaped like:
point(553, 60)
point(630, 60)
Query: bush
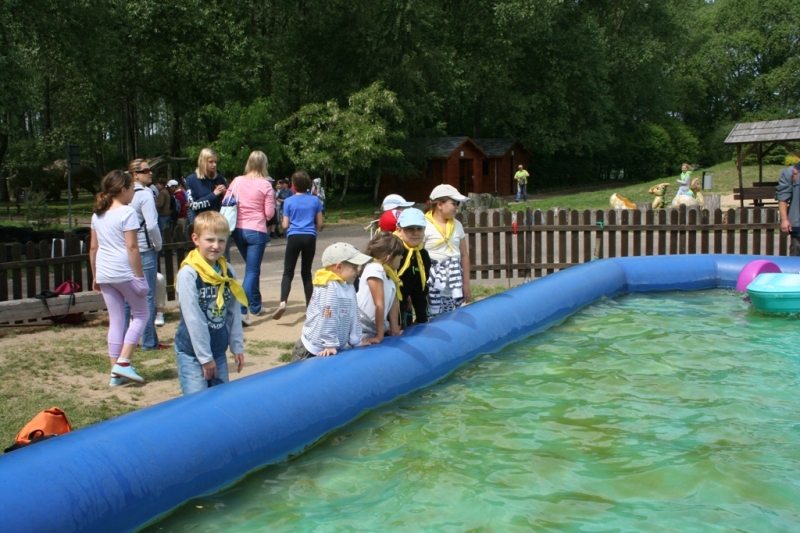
point(790, 160)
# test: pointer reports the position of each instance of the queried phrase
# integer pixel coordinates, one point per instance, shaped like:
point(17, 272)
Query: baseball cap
point(447, 191)
point(340, 252)
point(411, 217)
point(393, 201)
point(172, 183)
point(270, 178)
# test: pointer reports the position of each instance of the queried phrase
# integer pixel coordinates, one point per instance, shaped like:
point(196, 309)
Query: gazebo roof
point(769, 131)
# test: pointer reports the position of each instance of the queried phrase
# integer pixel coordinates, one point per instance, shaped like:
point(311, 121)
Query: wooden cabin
point(469, 165)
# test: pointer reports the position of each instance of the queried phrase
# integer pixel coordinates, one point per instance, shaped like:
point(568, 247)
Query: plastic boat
point(775, 293)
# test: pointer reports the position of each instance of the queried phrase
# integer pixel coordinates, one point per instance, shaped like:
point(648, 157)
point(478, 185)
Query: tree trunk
point(3, 149)
point(131, 109)
point(376, 190)
point(175, 144)
point(344, 190)
point(48, 123)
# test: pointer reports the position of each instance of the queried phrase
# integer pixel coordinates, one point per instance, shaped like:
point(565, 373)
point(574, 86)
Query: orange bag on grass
point(48, 423)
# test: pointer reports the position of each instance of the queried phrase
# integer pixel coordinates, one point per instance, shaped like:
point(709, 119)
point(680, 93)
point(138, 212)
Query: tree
point(325, 138)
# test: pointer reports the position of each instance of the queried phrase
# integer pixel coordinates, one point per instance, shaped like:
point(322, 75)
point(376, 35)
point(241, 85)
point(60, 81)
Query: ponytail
point(102, 201)
point(110, 187)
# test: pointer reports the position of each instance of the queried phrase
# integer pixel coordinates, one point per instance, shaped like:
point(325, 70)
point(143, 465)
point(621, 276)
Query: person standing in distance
point(788, 194)
point(521, 178)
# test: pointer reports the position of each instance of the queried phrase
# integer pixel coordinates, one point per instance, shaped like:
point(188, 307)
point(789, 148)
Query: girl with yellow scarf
point(379, 289)
point(448, 283)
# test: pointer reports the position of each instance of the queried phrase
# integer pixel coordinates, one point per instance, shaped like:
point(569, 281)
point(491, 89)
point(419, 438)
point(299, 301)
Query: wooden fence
point(532, 244)
point(28, 269)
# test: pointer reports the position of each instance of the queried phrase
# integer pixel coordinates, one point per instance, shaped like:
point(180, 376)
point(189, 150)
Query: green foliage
point(791, 160)
point(37, 211)
point(244, 129)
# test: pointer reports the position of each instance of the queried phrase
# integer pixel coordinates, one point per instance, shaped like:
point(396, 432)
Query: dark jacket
point(414, 290)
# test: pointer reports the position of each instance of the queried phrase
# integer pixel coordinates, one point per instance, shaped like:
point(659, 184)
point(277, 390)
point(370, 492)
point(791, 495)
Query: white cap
point(393, 201)
point(447, 191)
point(172, 183)
point(270, 178)
point(341, 252)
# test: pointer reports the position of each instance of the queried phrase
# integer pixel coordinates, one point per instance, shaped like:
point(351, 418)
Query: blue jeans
point(190, 372)
point(522, 190)
point(150, 267)
point(164, 222)
point(251, 244)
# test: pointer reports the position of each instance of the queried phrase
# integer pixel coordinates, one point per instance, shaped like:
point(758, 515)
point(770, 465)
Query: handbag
point(230, 206)
point(67, 288)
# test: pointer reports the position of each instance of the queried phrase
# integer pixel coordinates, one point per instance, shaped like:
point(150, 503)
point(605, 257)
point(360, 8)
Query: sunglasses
point(144, 171)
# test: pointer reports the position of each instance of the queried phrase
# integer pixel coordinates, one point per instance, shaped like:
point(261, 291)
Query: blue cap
point(411, 217)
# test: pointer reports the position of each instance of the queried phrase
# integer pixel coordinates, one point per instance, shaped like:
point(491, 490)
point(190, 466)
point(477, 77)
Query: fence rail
point(531, 244)
point(28, 269)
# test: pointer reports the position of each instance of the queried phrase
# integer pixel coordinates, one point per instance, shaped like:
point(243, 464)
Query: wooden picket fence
point(532, 244)
point(28, 269)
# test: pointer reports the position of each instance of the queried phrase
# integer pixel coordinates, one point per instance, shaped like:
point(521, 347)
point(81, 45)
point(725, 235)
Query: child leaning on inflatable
point(448, 282)
point(332, 316)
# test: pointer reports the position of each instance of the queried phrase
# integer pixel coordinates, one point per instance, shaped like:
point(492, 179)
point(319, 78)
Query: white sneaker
point(279, 312)
point(159, 321)
point(246, 319)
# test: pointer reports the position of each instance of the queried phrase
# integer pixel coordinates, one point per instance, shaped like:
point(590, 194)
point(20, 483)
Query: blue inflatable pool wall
point(121, 474)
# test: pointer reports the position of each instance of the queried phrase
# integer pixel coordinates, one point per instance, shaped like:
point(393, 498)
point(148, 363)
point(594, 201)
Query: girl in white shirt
point(378, 295)
point(445, 241)
point(117, 271)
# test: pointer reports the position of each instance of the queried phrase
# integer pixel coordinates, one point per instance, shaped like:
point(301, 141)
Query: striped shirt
point(332, 318)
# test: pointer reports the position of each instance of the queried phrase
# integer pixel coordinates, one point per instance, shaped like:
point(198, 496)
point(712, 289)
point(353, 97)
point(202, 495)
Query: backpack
point(45, 425)
point(174, 208)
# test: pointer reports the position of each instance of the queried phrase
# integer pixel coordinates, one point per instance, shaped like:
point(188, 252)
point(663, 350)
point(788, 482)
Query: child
point(392, 205)
point(211, 320)
point(448, 283)
point(117, 271)
point(378, 291)
point(686, 176)
point(415, 265)
point(332, 317)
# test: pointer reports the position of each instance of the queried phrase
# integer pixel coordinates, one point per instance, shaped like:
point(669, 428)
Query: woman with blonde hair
point(256, 205)
point(206, 187)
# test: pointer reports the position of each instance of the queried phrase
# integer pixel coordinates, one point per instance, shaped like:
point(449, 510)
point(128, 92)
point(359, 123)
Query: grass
point(725, 180)
point(37, 375)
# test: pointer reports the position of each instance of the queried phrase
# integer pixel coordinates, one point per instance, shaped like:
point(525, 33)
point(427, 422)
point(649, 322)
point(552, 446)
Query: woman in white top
point(445, 241)
point(378, 294)
point(117, 271)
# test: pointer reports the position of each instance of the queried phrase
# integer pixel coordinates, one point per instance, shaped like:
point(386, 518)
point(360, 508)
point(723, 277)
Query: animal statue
point(695, 199)
point(659, 191)
point(620, 202)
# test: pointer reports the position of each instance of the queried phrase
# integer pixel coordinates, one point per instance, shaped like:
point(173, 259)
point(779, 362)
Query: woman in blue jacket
point(206, 188)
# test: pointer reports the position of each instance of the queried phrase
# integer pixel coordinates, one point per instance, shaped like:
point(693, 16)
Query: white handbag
point(230, 207)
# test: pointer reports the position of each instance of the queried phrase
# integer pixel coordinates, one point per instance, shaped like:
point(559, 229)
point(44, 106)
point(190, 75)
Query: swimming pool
point(668, 412)
point(260, 420)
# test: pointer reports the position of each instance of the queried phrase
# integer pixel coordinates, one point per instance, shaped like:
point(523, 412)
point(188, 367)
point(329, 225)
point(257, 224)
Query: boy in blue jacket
point(211, 320)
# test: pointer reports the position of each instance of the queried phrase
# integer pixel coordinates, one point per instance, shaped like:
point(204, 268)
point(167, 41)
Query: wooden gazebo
point(754, 136)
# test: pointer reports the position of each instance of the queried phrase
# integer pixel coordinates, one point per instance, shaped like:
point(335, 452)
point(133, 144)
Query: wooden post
point(739, 170)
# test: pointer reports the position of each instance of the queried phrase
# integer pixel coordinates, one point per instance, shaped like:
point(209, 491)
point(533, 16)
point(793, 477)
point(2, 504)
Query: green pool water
point(655, 412)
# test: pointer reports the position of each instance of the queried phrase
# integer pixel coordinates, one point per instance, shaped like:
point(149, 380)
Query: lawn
point(724, 181)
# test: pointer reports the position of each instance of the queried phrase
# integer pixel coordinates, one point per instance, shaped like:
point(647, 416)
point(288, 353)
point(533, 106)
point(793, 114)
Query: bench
point(31, 308)
point(758, 194)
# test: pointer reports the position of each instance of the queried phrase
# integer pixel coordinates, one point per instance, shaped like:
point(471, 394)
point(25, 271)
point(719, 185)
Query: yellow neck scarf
point(449, 229)
point(392, 273)
point(414, 252)
point(212, 277)
point(323, 276)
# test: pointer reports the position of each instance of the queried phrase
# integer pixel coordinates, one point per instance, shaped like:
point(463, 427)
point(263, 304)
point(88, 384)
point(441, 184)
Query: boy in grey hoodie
point(211, 320)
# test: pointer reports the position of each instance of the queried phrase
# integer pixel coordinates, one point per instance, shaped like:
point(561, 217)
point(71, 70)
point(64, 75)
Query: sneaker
point(279, 313)
point(117, 381)
point(127, 372)
point(246, 319)
point(159, 321)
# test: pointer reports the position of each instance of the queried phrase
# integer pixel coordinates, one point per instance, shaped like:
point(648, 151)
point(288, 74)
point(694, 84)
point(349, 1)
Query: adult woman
point(302, 219)
point(206, 187)
point(256, 205)
point(149, 238)
point(117, 271)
